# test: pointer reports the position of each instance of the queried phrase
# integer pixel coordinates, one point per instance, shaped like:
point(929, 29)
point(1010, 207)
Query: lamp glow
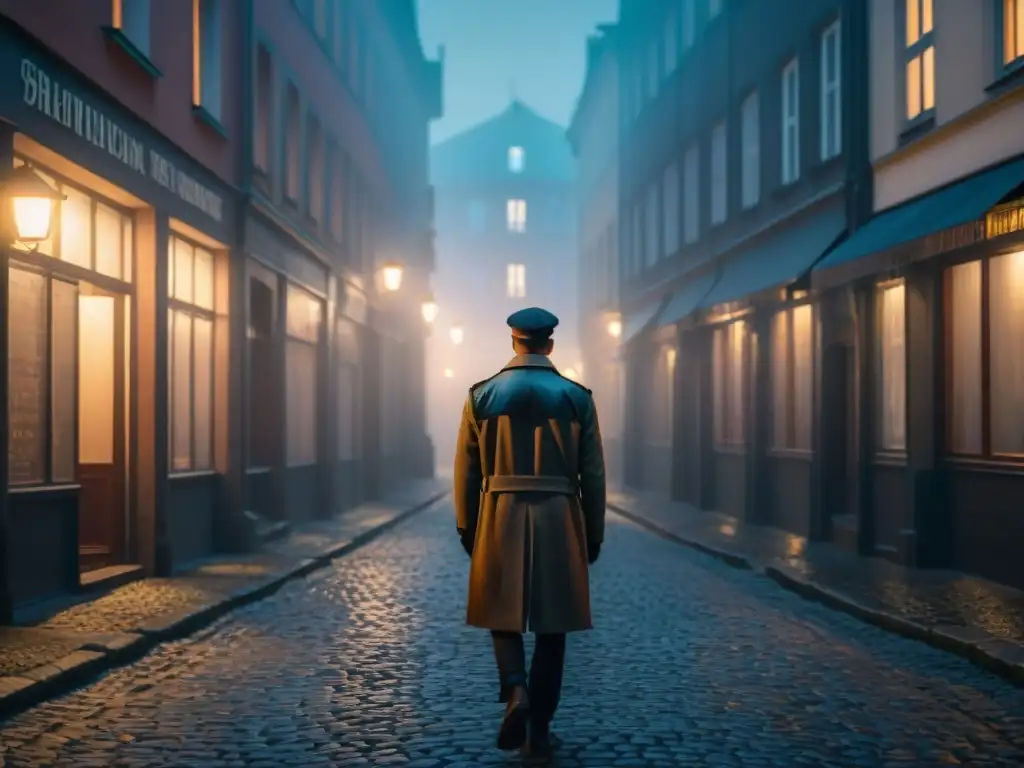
point(457, 334)
point(391, 276)
point(570, 373)
point(615, 328)
point(429, 310)
point(449, 373)
point(32, 202)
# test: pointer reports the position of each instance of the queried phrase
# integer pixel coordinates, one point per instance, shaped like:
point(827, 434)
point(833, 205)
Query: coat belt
point(529, 484)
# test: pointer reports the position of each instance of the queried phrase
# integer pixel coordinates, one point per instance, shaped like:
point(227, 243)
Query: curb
point(735, 559)
point(1002, 657)
point(35, 686)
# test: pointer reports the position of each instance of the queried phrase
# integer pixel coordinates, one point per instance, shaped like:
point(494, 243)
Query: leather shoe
point(512, 734)
point(542, 741)
point(593, 552)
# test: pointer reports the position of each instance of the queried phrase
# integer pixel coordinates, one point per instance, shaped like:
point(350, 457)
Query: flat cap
point(532, 323)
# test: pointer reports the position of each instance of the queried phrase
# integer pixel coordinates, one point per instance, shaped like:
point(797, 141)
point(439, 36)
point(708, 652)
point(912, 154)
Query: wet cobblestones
point(368, 663)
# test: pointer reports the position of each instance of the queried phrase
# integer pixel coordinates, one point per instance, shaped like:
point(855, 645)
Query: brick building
point(201, 328)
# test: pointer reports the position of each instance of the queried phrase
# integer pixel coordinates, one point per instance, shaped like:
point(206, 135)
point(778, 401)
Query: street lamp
point(391, 275)
point(429, 310)
point(448, 373)
point(29, 204)
point(615, 327)
point(456, 334)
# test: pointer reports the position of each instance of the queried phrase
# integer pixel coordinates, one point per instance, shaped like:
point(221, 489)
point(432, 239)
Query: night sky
point(494, 48)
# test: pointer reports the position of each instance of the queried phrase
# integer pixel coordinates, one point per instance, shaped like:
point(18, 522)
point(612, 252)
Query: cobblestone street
point(368, 663)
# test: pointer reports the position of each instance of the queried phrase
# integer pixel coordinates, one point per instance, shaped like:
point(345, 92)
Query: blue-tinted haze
point(494, 48)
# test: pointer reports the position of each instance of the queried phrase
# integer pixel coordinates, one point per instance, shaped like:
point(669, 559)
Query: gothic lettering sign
point(51, 97)
point(1005, 220)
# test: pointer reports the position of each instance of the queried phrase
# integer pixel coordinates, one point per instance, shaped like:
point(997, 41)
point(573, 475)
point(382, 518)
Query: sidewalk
point(63, 651)
point(978, 619)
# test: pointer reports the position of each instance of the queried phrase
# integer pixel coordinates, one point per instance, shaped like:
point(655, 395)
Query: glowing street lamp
point(429, 309)
point(615, 327)
point(570, 373)
point(29, 204)
point(391, 275)
point(449, 373)
point(457, 334)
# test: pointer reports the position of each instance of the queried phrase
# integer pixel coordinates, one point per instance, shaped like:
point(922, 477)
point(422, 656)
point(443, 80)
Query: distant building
point(505, 240)
point(593, 132)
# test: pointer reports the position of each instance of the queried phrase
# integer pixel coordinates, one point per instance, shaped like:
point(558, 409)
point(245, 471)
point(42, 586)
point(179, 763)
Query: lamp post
point(27, 206)
point(429, 310)
point(457, 334)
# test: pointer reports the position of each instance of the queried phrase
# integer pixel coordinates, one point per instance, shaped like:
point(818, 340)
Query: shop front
point(353, 310)
point(116, 367)
point(289, 430)
point(746, 439)
point(931, 290)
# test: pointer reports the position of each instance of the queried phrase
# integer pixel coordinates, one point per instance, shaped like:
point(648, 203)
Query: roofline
point(476, 126)
point(599, 46)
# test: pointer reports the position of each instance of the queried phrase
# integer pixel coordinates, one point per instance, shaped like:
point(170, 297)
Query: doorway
point(103, 529)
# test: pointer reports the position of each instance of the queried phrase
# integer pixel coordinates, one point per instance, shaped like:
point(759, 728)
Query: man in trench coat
point(530, 504)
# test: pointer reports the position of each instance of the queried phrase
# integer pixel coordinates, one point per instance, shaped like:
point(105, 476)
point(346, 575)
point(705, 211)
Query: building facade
point(929, 291)
point(506, 240)
point(137, 410)
point(593, 133)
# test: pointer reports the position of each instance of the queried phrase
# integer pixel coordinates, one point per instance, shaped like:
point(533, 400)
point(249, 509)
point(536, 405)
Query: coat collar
point(530, 361)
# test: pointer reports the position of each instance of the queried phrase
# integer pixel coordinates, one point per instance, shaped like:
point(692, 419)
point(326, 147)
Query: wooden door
point(101, 361)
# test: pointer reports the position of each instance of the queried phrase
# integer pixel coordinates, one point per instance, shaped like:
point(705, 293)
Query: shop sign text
point(62, 105)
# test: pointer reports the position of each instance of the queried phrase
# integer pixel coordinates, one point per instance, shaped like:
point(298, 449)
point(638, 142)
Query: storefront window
point(89, 233)
point(728, 383)
point(792, 356)
point(42, 357)
point(191, 355)
point(1000, 430)
point(303, 321)
point(659, 405)
point(349, 425)
point(892, 367)
point(264, 419)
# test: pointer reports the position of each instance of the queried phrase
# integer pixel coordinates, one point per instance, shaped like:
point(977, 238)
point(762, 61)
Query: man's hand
point(467, 541)
point(593, 552)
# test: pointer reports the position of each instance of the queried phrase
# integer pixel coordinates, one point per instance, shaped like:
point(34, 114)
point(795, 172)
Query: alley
point(692, 663)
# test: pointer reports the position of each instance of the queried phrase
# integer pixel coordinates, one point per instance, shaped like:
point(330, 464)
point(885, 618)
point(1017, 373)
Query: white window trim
point(751, 140)
point(832, 124)
point(719, 174)
point(791, 121)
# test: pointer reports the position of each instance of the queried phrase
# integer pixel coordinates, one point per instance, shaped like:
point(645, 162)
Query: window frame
point(831, 126)
point(515, 224)
point(180, 307)
point(204, 34)
point(290, 339)
point(291, 138)
point(750, 163)
point(515, 281)
point(925, 41)
point(1003, 64)
point(790, 113)
point(792, 443)
point(729, 432)
point(138, 35)
point(718, 178)
point(986, 408)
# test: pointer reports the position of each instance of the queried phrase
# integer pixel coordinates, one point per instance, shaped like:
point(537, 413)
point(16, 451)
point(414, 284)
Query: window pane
point(182, 286)
point(26, 397)
point(76, 228)
point(202, 393)
point(928, 78)
point(203, 267)
point(181, 390)
point(913, 22)
point(301, 402)
point(1018, 29)
point(803, 377)
point(780, 380)
point(64, 355)
point(718, 351)
point(963, 284)
point(926, 16)
point(913, 87)
point(892, 368)
point(736, 408)
point(1006, 324)
point(108, 241)
point(303, 315)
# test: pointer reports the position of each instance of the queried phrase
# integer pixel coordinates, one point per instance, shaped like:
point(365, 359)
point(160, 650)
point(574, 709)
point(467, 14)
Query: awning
point(636, 322)
point(951, 206)
point(687, 299)
point(781, 258)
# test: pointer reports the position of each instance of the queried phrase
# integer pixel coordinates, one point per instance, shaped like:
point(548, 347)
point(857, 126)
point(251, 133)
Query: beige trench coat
point(529, 567)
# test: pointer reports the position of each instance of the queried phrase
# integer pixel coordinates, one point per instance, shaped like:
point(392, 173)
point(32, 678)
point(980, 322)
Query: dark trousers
point(544, 681)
